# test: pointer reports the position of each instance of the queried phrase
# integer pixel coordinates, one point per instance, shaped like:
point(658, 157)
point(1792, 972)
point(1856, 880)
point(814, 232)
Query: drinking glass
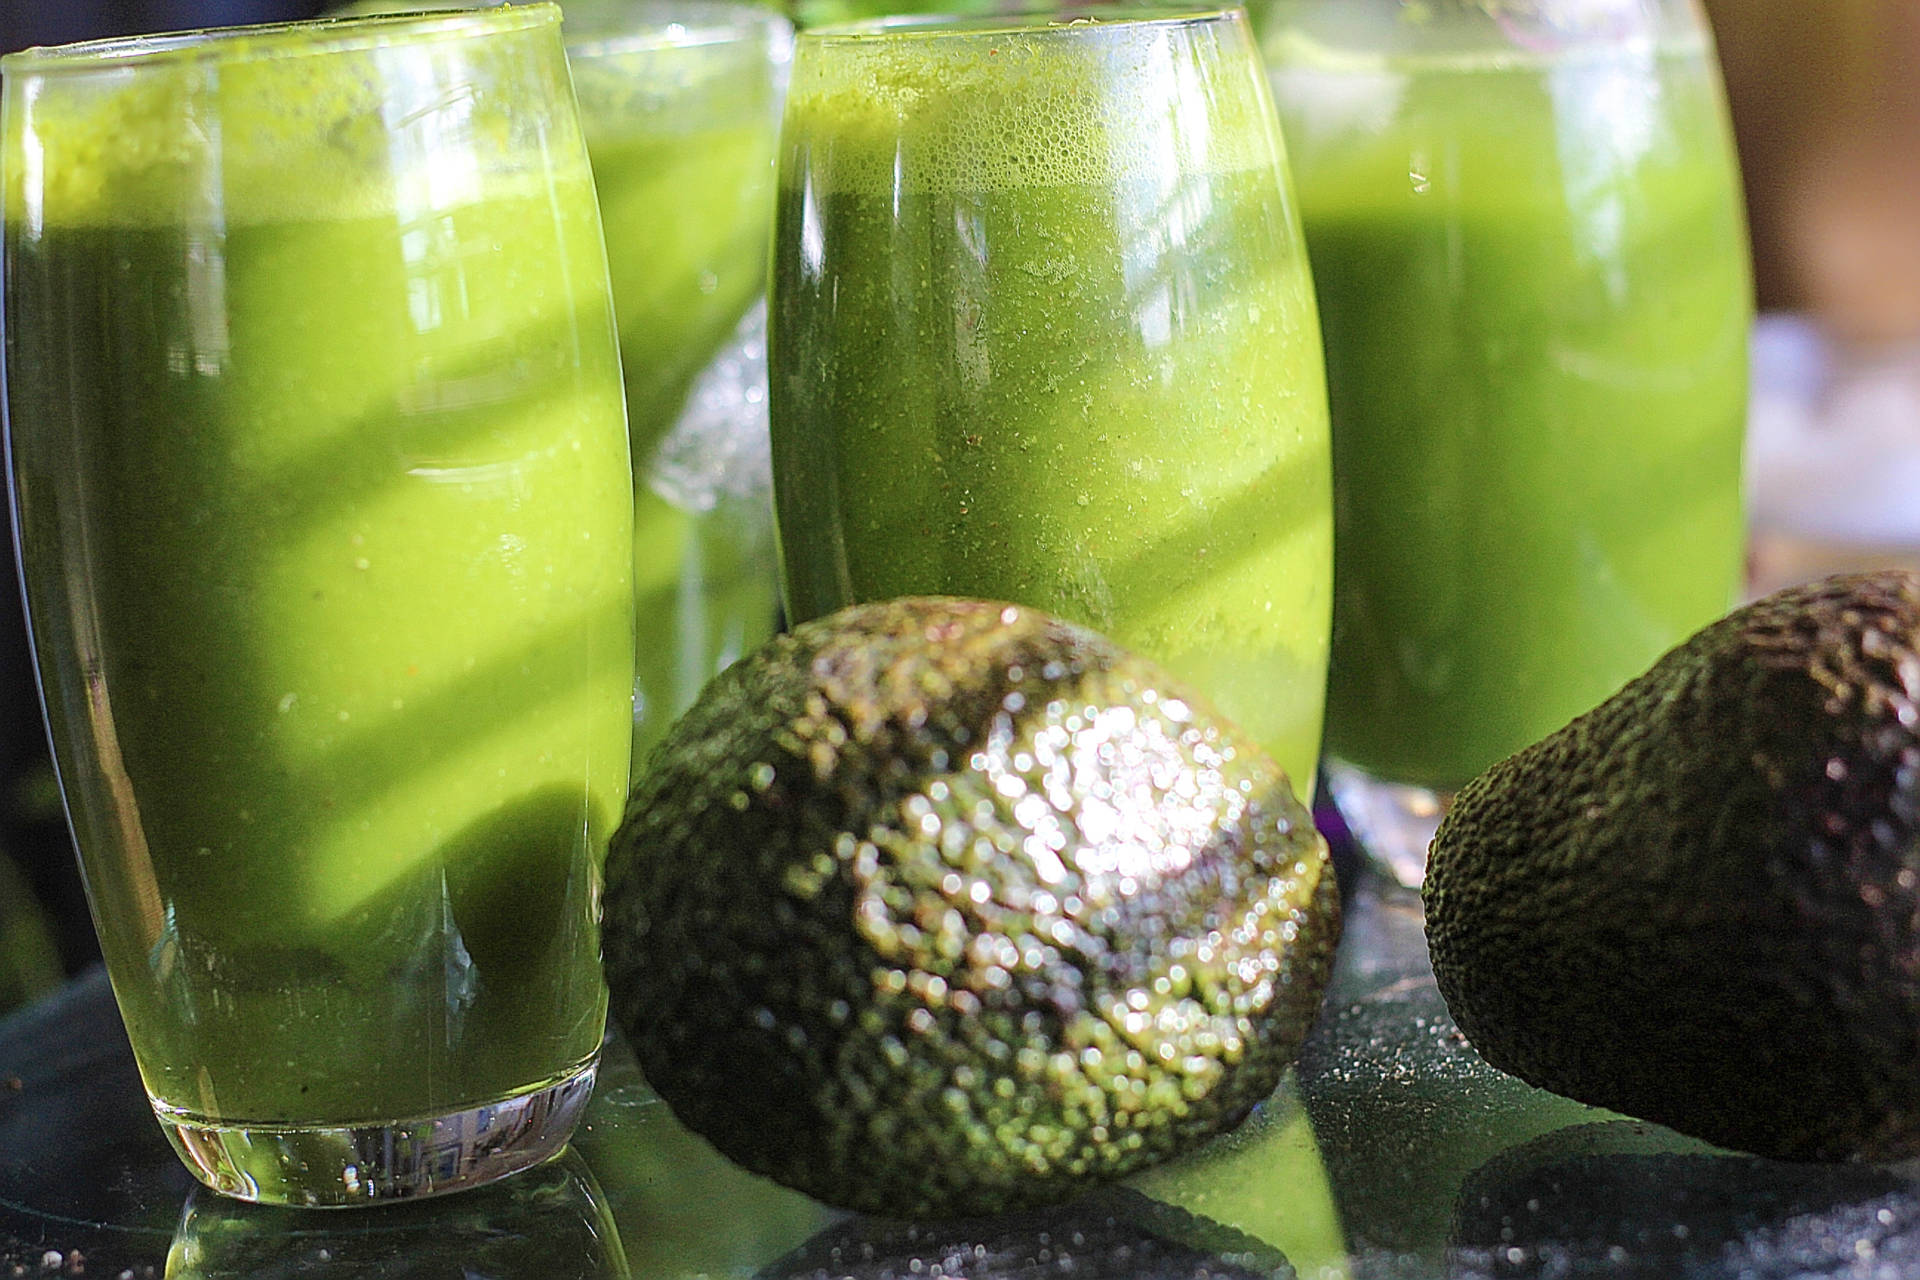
point(1043, 332)
point(321, 484)
point(681, 102)
point(1527, 240)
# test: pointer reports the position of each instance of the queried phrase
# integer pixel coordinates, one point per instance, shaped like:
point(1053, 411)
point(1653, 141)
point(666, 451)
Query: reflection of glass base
point(371, 1164)
point(1392, 822)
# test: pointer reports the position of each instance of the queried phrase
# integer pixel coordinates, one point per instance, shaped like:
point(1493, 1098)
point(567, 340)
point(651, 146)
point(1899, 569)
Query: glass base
point(1393, 823)
point(337, 1167)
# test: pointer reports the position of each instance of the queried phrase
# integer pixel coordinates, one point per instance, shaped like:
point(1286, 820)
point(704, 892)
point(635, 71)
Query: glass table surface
point(1391, 1151)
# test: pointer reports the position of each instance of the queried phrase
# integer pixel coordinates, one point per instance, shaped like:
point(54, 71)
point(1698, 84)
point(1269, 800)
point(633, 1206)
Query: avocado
point(937, 908)
point(1699, 903)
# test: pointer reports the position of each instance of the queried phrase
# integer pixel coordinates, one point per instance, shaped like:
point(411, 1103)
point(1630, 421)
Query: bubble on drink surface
point(719, 447)
point(1089, 102)
point(192, 129)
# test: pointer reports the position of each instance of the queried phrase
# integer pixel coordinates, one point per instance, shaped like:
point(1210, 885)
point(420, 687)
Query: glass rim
point(686, 24)
point(673, 24)
point(1044, 21)
point(302, 37)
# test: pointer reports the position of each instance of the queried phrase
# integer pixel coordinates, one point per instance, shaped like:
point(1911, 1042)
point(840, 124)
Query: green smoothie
point(679, 100)
point(1043, 332)
point(681, 140)
point(1532, 276)
point(680, 122)
point(325, 506)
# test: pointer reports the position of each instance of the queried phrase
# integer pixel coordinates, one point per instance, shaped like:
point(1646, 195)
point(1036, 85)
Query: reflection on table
point(1393, 1154)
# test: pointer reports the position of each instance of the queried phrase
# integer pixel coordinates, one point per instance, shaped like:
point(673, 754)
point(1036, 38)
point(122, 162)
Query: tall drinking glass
point(1043, 332)
point(681, 102)
point(1527, 239)
point(321, 484)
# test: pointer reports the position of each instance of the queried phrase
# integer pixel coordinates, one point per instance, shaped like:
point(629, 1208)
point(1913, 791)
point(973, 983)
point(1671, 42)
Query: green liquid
point(328, 527)
point(686, 211)
point(1533, 283)
point(680, 130)
point(1040, 373)
point(681, 140)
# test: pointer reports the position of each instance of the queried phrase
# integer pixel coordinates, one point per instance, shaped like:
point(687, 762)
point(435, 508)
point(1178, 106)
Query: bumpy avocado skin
point(938, 908)
point(1699, 904)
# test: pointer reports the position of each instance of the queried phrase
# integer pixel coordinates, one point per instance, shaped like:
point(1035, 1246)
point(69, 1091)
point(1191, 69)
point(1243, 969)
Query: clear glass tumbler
point(681, 103)
point(1526, 229)
point(1042, 331)
point(323, 497)
point(680, 100)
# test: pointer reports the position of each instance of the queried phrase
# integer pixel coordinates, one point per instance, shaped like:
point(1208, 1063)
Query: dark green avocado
point(939, 907)
point(1699, 904)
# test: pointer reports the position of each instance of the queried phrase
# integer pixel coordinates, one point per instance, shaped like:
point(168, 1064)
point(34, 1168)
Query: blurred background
point(28, 22)
point(1825, 98)
point(1826, 110)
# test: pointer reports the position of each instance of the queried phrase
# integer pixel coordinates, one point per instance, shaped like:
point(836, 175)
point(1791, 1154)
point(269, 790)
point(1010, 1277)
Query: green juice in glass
point(1039, 337)
point(1532, 277)
point(325, 498)
point(680, 104)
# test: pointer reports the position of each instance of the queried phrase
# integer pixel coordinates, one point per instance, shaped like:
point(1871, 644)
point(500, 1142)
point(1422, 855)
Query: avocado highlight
point(1699, 904)
point(939, 908)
